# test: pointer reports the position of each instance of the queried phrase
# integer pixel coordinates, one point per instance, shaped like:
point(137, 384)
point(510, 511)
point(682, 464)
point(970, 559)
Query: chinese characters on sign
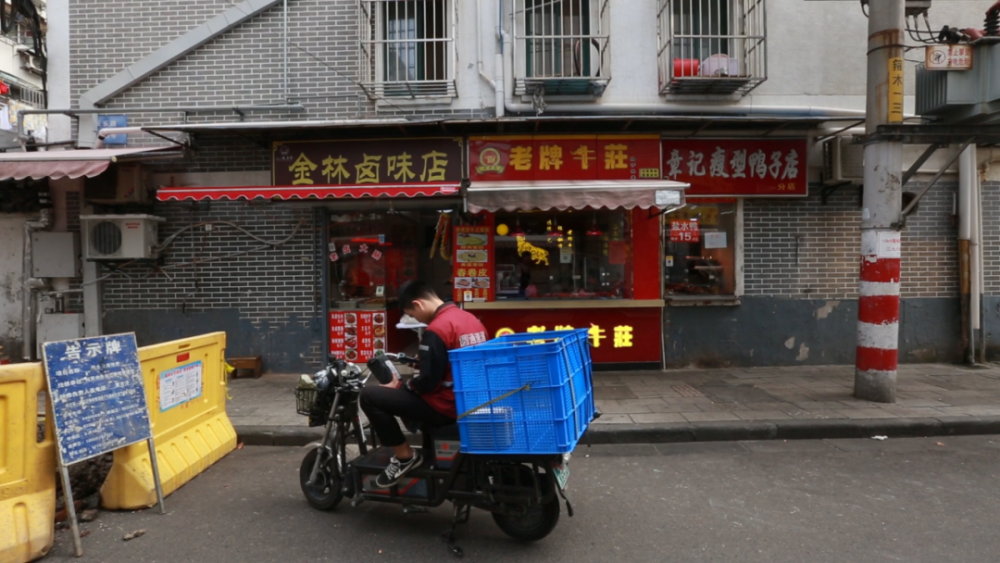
point(569, 157)
point(622, 335)
point(684, 230)
point(616, 335)
point(948, 57)
point(180, 385)
point(895, 90)
point(98, 396)
point(751, 167)
point(371, 162)
point(473, 264)
point(358, 336)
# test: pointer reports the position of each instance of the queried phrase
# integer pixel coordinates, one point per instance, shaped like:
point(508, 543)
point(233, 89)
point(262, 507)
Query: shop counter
point(567, 304)
point(622, 331)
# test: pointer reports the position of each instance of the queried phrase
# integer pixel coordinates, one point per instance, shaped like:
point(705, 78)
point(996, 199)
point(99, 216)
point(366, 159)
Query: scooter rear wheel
point(325, 493)
point(533, 526)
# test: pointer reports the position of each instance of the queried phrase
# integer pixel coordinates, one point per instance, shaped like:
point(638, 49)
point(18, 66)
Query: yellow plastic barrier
point(189, 434)
point(27, 467)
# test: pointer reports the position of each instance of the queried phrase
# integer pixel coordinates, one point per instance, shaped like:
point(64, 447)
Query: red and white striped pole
point(878, 299)
point(878, 316)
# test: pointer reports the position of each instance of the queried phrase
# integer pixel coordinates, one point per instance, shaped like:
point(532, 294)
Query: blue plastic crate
point(548, 418)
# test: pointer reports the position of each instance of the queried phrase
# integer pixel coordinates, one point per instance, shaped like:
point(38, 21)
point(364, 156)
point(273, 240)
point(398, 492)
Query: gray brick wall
point(198, 274)
point(807, 250)
point(270, 289)
point(241, 67)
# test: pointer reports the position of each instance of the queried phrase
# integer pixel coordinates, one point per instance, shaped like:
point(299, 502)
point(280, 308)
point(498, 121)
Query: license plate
point(562, 475)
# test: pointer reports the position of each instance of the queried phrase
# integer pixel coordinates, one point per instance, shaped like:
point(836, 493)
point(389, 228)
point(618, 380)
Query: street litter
point(880, 437)
point(133, 535)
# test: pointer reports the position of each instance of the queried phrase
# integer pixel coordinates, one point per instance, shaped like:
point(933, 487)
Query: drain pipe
point(968, 282)
point(980, 263)
point(30, 284)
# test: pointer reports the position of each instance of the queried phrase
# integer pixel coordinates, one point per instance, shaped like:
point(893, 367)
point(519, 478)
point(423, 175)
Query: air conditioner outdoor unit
point(119, 237)
point(843, 162)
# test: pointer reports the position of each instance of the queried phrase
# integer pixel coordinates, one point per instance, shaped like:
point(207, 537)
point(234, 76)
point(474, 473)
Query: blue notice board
point(97, 393)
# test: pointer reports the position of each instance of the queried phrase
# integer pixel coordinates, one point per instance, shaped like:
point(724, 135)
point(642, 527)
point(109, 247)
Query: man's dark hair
point(413, 290)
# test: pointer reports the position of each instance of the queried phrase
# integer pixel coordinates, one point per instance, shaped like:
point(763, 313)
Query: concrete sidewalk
point(806, 402)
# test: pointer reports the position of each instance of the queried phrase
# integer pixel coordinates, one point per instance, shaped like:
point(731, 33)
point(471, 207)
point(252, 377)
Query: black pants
point(382, 405)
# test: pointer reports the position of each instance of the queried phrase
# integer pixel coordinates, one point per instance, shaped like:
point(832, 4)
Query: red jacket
point(450, 328)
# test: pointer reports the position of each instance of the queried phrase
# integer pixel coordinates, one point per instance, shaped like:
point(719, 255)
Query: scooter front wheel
point(325, 493)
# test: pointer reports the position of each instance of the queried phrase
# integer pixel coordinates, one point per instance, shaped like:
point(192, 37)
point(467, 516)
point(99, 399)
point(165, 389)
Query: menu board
point(357, 336)
point(473, 264)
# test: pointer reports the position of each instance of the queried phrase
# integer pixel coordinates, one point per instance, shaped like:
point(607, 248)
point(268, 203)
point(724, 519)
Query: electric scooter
point(522, 492)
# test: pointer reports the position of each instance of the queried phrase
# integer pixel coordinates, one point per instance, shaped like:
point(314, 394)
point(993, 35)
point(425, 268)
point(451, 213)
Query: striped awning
point(306, 192)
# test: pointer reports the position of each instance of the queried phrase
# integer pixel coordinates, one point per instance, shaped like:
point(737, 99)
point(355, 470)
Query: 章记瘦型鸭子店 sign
point(738, 167)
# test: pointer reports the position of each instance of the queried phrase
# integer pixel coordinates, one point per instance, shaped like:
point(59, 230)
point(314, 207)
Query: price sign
point(685, 231)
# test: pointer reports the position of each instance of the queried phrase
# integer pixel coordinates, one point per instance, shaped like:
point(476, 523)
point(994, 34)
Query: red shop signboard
point(525, 158)
point(738, 167)
point(616, 335)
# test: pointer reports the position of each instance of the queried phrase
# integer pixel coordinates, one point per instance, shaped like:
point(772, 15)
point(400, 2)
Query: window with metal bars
point(407, 48)
point(712, 46)
point(561, 46)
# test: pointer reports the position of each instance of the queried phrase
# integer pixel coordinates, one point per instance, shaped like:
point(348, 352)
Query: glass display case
point(573, 254)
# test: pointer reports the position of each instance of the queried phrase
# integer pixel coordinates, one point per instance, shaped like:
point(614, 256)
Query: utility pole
point(878, 297)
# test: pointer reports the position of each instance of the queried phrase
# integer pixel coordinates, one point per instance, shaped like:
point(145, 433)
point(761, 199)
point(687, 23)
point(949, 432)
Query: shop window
point(370, 255)
point(564, 255)
point(561, 47)
point(407, 48)
point(711, 46)
point(700, 250)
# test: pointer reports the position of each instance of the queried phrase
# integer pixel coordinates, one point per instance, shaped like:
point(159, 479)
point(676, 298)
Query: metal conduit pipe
point(291, 108)
point(30, 284)
point(284, 17)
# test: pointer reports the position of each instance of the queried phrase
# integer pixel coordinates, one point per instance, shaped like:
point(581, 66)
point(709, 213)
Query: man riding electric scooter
point(427, 398)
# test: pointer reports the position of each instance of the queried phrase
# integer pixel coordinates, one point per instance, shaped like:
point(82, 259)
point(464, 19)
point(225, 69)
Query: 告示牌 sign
point(97, 393)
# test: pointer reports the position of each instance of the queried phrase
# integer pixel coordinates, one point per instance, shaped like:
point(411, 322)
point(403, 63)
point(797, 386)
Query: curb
point(727, 431)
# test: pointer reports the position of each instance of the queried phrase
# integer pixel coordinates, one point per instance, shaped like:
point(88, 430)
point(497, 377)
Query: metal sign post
point(98, 405)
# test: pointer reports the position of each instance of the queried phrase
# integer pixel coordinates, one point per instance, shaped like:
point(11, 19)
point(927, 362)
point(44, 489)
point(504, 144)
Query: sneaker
point(396, 470)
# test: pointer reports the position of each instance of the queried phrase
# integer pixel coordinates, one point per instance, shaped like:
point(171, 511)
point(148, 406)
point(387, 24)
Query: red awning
point(305, 192)
point(73, 163)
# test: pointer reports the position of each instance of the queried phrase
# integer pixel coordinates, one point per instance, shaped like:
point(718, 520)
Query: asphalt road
point(839, 500)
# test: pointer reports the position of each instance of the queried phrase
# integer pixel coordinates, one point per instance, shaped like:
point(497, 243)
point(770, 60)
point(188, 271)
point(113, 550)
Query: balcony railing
point(407, 48)
point(561, 47)
point(712, 47)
